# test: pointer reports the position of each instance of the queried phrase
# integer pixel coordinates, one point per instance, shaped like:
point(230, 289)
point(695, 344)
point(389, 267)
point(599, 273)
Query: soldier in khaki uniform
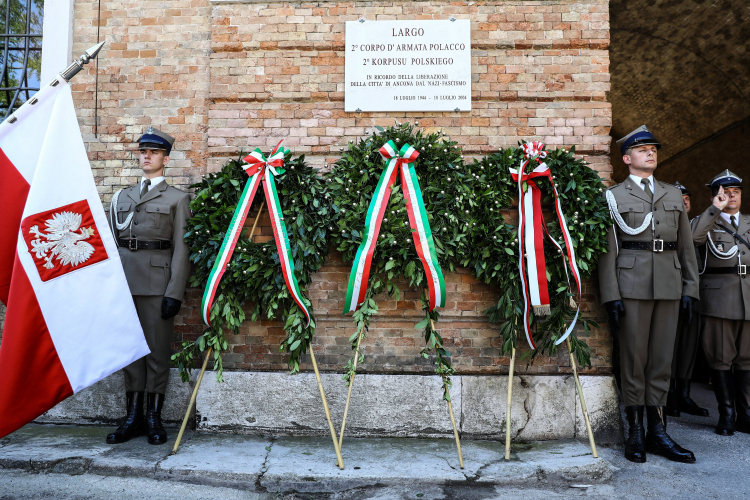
point(685, 350)
point(725, 300)
point(148, 221)
point(647, 275)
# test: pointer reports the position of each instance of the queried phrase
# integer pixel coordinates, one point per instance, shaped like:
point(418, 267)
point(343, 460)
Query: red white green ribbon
point(531, 230)
point(260, 169)
point(422, 234)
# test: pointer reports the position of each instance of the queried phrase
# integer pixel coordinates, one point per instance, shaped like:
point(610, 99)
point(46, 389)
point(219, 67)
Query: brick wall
point(225, 77)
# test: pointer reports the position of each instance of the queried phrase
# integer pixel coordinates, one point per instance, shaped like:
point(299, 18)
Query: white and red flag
point(70, 319)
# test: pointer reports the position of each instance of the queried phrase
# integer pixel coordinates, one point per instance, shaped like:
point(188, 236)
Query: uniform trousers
point(726, 343)
point(686, 347)
point(151, 372)
point(647, 334)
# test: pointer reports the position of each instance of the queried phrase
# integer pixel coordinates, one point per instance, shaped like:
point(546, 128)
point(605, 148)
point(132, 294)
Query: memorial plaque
point(408, 66)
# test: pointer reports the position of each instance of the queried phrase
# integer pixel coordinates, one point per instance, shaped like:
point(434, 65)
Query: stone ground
point(68, 462)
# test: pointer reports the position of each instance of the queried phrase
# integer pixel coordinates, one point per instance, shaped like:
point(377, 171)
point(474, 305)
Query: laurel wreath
point(468, 205)
point(254, 274)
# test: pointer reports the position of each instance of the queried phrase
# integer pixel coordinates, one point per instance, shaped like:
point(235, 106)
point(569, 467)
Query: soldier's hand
point(615, 310)
point(688, 305)
point(720, 200)
point(170, 307)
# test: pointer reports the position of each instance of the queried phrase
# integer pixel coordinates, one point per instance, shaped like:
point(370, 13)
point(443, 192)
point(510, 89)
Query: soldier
point(722, 233)
point(148, 221)
point(647, 275)
point(685, 349)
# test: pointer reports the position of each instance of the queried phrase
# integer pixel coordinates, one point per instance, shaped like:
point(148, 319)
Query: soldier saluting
point(647, 275)
point(148, 221)
point(722, 234)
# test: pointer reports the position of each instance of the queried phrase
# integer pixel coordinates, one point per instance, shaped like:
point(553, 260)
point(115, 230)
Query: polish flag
point(70, 318)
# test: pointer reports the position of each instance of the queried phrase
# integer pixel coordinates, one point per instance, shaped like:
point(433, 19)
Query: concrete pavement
point(67, 462)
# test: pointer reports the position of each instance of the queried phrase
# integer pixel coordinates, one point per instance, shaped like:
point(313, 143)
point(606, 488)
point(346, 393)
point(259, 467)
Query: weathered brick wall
point(540, 70)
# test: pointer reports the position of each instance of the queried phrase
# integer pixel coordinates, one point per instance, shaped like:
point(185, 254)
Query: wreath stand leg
point(583, 402)
point(192, 402)
point(351, 383)
point(205, 361)
point(450, 411)
point(510, 401)
point(339, 460)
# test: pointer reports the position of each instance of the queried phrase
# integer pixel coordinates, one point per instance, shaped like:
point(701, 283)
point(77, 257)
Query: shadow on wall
point(697, 165)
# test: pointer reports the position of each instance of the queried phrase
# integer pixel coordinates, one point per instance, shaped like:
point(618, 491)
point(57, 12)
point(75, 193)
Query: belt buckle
point(133, 244)
point(741, 270)
point(658, 245)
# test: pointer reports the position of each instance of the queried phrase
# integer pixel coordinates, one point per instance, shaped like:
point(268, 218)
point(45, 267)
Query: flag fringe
point(543, 310)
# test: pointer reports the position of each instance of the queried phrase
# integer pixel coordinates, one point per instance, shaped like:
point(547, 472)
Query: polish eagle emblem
point(63, 240)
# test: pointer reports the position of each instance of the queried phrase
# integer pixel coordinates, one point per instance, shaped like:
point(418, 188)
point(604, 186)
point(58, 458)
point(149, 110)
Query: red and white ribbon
point(531, 229)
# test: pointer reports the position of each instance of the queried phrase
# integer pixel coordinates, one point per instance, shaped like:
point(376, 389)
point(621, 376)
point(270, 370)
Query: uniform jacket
point(644, 274)
point(161, 215)
point(722, 295)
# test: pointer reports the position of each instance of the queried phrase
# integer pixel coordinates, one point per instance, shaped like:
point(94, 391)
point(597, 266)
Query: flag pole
point(205, 361)
point(351, 383)
point(583, 402)
point(76, 66)
point(510, 401)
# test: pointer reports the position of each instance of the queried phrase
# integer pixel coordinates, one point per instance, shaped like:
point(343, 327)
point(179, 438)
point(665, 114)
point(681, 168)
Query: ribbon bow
point(531, 229)
point(259, 169)
point(396, 160)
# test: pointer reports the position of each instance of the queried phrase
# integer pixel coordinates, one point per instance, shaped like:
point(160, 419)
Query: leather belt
point(136, 244)
point(653, 246)
point(740, 270)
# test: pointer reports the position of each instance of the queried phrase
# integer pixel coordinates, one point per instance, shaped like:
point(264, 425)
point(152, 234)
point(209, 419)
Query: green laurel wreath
point(468, 205)
point(254, 273)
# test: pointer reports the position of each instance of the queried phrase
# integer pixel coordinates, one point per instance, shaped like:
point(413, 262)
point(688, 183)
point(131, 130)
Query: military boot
point(684, 402)
point(724, 390)
point(134, 424)
point(635, 447)
point(156, 432)
point(742, 398)
point(673, 406)
point(659, 442)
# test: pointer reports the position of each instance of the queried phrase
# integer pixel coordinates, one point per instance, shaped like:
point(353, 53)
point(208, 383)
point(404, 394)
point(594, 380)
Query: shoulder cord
point(612, 203)
point(615, 214)
point(113, 214)
point(734, 251)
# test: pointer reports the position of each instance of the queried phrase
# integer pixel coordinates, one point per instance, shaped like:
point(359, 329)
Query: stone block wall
point(228, 76)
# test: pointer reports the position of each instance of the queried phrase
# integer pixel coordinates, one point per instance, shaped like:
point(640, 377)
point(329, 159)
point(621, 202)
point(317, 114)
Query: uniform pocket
point(161, 272)
point(673, 211)
point(625, 273)
point(157, 216)
point(631, 213)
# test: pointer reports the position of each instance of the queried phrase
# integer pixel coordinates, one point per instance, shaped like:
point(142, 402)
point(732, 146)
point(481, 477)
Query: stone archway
point(683, 68)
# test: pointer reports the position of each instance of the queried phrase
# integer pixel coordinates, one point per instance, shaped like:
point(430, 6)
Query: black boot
point(684, 402)
point(673, 407)
point(724, 390)
point(134, 424)
point(156, 432)
point(659, 442)
point(742, 398)
point(635, 447)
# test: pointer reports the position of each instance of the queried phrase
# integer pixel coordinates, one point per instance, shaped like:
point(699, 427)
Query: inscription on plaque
point(408, 66)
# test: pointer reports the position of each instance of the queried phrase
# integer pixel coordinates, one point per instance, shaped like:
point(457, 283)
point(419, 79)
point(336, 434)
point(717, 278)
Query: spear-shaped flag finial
point(77, 66)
